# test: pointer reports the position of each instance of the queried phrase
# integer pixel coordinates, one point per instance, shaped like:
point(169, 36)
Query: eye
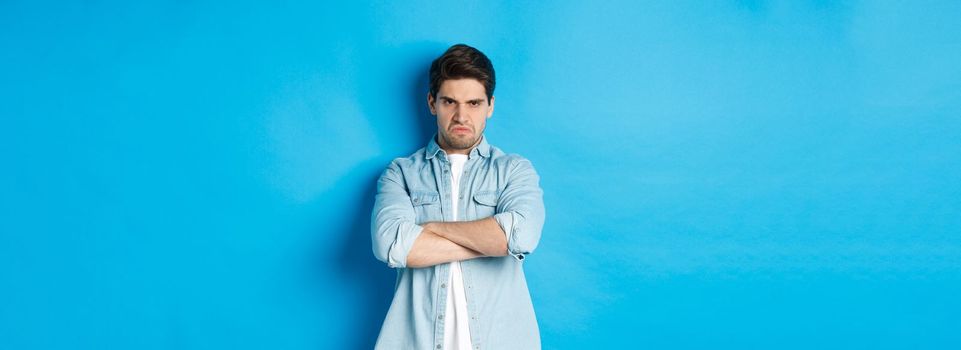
point(474, 103)
point(448, 102)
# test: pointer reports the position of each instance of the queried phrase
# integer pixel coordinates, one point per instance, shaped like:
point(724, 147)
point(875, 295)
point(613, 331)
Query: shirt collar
point(482, 149)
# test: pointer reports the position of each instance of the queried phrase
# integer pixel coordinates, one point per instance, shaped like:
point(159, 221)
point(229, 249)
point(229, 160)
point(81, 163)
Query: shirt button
point(441, 317)
point(438, 346)
point(443, 285)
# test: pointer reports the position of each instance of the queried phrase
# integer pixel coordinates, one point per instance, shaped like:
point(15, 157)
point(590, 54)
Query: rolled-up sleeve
point(393, 228)
point(520, 209)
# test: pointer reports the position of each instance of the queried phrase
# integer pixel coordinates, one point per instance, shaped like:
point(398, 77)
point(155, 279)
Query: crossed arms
point(514, 229)
point(443, 242)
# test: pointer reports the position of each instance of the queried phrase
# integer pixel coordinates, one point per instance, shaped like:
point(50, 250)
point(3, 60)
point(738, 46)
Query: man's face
point(462, 110)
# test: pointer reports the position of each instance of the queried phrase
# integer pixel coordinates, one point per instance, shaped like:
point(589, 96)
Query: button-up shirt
point(417, 189)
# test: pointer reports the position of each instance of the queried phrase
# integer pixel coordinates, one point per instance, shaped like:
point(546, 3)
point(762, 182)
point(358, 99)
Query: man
point(456, 219)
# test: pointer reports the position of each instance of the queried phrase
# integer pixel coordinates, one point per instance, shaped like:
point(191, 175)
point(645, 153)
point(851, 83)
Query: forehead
point(462, 89)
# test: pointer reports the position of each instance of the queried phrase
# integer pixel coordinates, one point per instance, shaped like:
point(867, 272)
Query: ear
point(430, 103)
point(490, 110)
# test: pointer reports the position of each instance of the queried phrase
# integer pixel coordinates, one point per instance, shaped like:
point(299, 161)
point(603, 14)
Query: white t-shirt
point(456, 330)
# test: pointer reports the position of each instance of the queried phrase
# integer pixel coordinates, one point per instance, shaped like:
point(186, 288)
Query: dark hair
point(461, 61)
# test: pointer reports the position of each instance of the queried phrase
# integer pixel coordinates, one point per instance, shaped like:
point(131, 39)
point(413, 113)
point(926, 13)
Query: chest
point(433, 190)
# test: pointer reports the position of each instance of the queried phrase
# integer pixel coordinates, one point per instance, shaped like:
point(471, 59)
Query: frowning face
point(462, 109)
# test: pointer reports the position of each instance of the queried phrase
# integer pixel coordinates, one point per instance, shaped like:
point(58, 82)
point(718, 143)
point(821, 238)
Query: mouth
point(461, 130)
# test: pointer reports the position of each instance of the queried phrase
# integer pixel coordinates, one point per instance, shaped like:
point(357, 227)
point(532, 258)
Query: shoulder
point(400, 165)
point(509, 161)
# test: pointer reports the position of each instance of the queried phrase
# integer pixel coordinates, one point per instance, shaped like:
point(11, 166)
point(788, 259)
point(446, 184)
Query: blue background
point(730, 174)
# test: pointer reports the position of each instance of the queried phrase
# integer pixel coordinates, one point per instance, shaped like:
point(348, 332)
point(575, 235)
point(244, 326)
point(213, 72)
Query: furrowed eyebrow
point(445, 98)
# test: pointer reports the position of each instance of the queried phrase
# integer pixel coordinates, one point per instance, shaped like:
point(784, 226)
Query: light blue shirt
point(417, 189)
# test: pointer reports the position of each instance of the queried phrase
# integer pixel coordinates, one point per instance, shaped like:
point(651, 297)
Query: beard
point(459, 142)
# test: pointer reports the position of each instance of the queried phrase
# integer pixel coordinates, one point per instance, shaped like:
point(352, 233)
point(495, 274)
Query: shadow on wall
point(394, 97)
point(371, 280)
point(395, 91)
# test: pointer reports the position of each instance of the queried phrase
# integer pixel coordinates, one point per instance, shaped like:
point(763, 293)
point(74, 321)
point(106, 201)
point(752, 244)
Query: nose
point(460, 113)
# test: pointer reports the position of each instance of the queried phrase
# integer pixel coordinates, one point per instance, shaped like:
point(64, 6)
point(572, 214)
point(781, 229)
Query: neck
point(447, 149)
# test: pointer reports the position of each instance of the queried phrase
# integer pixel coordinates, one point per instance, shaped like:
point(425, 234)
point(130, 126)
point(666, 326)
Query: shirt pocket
point(485, 204)
point(426, 206)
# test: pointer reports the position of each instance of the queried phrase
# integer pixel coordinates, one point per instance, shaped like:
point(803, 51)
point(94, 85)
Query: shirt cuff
point(507, 223)
point(407, 233)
